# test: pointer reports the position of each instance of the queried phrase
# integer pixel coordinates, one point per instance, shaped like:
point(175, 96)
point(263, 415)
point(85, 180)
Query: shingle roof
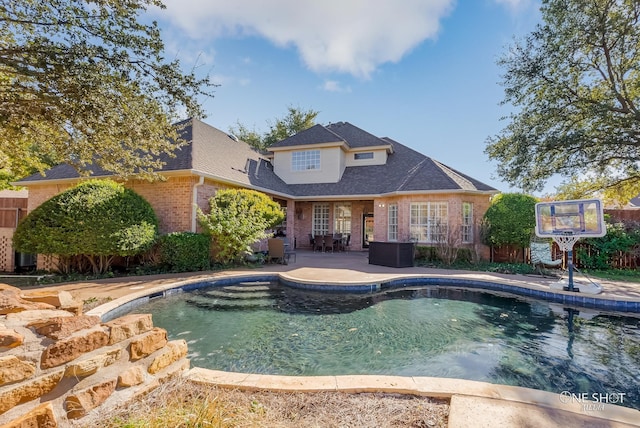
point(216, 154)
point(317, 134)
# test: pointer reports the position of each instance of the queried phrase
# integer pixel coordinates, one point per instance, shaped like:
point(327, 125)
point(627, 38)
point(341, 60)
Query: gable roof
point(340, 132)
point(212, 153)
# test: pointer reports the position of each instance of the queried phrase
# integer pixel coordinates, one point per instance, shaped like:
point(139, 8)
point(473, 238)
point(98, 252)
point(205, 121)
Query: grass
point(627, 275)
point(180, 403)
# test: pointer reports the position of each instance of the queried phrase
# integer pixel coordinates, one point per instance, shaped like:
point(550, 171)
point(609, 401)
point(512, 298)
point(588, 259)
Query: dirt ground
point(180, 403)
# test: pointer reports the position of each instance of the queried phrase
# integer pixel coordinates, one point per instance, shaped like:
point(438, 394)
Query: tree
point(238, 219)
point(510, 221)
point(296, 120)
point(84, 82)
point(96, 220)
point(575, 83)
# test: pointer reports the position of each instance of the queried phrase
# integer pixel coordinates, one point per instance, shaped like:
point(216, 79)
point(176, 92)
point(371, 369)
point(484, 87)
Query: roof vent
point(233, 137)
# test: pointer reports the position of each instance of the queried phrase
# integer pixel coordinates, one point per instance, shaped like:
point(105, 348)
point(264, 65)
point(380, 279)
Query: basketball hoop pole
point(566, 242)
point(570, 267)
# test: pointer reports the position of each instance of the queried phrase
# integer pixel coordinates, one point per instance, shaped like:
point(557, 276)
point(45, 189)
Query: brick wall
point(57, 364)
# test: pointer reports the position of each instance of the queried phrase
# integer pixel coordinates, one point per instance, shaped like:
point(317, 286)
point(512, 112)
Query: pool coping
point(501, 396)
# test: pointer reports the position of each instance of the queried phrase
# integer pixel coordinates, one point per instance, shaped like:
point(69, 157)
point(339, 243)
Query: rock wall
point(57, 364)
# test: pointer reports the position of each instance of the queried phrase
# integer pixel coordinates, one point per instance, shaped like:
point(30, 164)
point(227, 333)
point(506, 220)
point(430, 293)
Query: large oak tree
point(85, 81)
point(574, 84)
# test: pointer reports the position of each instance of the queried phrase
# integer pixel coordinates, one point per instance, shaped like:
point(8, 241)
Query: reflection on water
point(428, 331)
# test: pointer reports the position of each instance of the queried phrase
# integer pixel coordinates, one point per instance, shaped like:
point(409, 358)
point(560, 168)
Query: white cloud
point(354, 36)
point(335, 86)
point(515, 5)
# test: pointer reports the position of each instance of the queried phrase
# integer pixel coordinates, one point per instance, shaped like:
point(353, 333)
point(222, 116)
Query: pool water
point(421, 331)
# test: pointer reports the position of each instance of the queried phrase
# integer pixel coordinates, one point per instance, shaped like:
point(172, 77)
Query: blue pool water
point(419, 331)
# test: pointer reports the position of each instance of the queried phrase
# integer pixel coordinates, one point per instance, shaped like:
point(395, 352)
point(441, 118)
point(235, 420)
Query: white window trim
point(320, 219)
point(337, 217)
point(433, 217)
point(467, 223)
point(392, 223)
point(305, 160)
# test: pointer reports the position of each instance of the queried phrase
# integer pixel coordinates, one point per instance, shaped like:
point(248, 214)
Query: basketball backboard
point(582, 218)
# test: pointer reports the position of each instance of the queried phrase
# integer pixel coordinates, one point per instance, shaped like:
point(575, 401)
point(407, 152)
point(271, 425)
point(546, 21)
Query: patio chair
point(318, 243)
point(288, 252)
point(346, 242)
point(541, 256)
point(337, 242)
point(328, 242)
point(276, 250)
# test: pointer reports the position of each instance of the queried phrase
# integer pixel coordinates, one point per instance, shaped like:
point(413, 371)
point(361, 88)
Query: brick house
point(333, 178)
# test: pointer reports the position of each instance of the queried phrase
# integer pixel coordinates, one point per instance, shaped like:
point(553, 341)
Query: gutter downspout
point(194, 211)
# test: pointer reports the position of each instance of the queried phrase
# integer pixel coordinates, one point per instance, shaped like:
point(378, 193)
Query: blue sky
point(422, 72)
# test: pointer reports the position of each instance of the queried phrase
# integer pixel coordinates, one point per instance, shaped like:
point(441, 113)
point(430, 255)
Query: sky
point(422, 72)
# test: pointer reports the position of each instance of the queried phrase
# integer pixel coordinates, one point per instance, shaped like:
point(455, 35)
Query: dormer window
point(363, 155)
point(305, 160)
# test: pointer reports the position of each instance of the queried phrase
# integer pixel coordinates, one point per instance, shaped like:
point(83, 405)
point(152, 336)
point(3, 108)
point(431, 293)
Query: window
point(363, 155)
point(320, 219)
point(429, 221)
point(342, 218)
point(392, 220)
point(305, 160)
point(467, 222)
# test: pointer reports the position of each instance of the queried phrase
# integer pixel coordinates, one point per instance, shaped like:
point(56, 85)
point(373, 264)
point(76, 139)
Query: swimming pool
point(455, 332)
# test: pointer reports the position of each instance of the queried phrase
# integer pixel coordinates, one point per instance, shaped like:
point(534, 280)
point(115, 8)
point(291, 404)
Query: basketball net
point(566, 241)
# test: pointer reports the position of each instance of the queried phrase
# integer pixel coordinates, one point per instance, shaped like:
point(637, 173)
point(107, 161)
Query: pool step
point(227, 303)
point(234, 295)
point(249, 287)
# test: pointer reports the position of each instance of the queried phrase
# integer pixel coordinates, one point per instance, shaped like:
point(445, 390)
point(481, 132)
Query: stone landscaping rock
point(27, 391)
point(54, 298)
point(11, 302)
point(131, 377)
point(72, 347)
point(128, 326)
point(32, 315)
point(174, 351)
point(13, 369)
point(10, 338)
point(147, 344)
point(47, 347)
point(80, 403)
point(61, 327)
point(91, 365)
point(40, 417)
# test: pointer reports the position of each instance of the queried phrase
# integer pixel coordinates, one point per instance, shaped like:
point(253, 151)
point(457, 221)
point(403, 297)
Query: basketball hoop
point(566, 241)
point(568, 221)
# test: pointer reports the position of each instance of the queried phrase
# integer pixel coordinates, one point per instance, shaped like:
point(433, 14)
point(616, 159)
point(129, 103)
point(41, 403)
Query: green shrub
point(238, 219)
point(93, 221)
point(184, 251)
point(510, 221)
point(599, 253)
point(425, 253)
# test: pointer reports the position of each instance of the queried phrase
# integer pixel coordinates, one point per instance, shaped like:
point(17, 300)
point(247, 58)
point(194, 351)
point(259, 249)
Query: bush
point(601, 252)
point(430, 254)
point(510, 221)
point(184, 251)
point(238, 219)
point(93, 222)
point(425, 253)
